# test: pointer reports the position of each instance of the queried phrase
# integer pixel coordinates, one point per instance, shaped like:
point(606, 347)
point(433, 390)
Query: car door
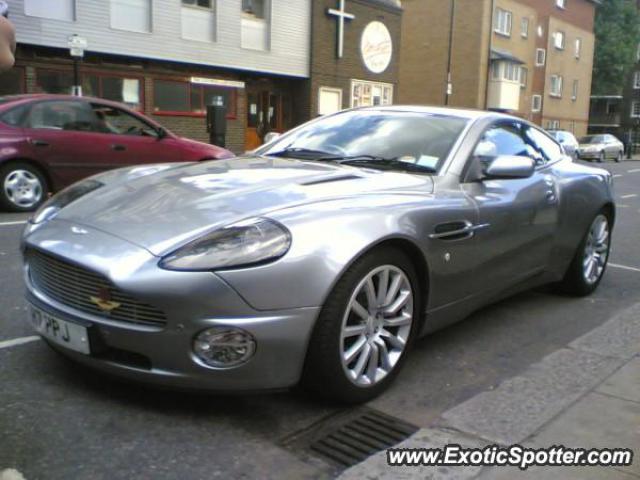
point(519, 216)
point(61, 135)
point(132, 140)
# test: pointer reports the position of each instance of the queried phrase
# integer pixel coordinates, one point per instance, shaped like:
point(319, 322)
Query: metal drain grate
point(346, 440)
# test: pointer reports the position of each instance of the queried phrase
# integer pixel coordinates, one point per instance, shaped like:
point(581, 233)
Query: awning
point(499, 55)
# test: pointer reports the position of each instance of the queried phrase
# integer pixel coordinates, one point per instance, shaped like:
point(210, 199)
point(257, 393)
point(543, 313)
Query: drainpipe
point(486, 85)
point(449, 86)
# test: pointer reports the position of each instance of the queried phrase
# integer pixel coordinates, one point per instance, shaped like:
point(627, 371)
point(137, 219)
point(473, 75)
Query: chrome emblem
point(103, 301)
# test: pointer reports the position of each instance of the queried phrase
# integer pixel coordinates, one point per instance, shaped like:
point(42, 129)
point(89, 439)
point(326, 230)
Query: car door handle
point(118, 148)
point(39, 143)
point(457, 230)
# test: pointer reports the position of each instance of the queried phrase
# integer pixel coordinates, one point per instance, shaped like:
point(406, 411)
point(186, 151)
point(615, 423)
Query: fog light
point(224, 347)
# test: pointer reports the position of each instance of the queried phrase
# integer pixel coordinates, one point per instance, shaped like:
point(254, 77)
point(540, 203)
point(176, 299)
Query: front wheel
point(590, 261)
point(619, 157)
point(23, 188)
point(601, 157)
point(365, 328)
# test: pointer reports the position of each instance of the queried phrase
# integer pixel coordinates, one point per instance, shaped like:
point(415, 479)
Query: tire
point(602, 157)
point(576, 280)
point(619, 157)
point(23, 187)
point(325, 371)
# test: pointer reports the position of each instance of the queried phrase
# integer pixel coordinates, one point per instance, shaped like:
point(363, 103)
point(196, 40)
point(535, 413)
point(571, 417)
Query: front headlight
point(243, 244)
point(63, 198)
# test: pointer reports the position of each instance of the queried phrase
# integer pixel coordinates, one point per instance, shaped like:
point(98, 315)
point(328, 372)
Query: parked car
point(567, 140)
point(320, 258)
point(50, 141)
point(600, 147)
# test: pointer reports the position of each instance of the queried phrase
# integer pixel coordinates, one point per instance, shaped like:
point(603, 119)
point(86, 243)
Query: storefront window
point(54, 81)
point(187, 98)
point(12, 81)
point(369, 94)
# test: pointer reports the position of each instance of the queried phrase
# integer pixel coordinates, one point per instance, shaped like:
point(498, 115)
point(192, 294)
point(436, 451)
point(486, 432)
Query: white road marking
point(6, 224)
point(624, 267)
point(617, 175)
point(634, 170)
point(18, 341)
point(631, 195)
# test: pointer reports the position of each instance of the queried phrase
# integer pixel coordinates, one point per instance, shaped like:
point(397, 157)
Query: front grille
point(73, 286)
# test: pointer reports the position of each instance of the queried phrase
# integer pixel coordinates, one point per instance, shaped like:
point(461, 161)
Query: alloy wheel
point(596, 251)
point(23, 188)
point(376, 325)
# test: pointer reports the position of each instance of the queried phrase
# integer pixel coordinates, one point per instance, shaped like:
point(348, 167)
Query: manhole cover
point(347, 439)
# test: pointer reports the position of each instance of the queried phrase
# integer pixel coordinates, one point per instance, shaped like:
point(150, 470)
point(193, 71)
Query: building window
point(502, 22)
point(255, 21)
point(536, 103)
point(541, 57)
point(553, 125)
point(369, 94)
point(558, 40)
point(635, 109)
point(54, 81)
point(131, 15)
point(524, 27)
point(12, 81)
point(636, 80)
point(183, 98)
point(555, 89)
point(540, 31)
point(524, 76)
point(198, 20)
point(53, 9)
point(578, 51)
point(574, 90)
point(329, 100)
point(561, 4)
point(118, 89)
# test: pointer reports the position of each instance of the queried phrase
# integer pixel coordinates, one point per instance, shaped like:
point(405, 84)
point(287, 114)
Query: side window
point(118, 122)
point(547, 149)
point(16, 116)
point(504, 139)
point(61, 115)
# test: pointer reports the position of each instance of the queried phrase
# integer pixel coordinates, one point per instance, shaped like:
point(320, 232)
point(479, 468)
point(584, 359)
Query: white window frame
point(553, 124)
point(364, 84)
point(575, 90)
point(524, 27)
point(503, 22)
point(557, 93)
point(536, 103)
point(74, 14)
point(561, 4)
point(635, 109)
point(119, 29)
point(578, 47)
point(524, 75)
point(636, 80)
point(329, 90)
point(539, 52)
point(559, 40)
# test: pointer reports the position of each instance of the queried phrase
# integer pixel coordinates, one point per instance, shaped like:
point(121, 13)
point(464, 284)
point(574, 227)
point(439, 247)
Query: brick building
point(532, 58)
point(355, 52)
point(169, 59)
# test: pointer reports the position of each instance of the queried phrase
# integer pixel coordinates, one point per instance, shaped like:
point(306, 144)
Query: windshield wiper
point(295, 152)
point(381, 163)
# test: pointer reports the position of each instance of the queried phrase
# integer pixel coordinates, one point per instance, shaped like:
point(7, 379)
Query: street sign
point(77, 45)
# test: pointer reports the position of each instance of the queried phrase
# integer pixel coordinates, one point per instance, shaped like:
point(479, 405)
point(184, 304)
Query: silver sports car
point(317, 259)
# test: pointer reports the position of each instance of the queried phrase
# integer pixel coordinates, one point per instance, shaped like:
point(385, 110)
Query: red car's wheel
point(23, 187)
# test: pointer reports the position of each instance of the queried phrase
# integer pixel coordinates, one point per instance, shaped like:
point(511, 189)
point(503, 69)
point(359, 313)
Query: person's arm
point(7, 38)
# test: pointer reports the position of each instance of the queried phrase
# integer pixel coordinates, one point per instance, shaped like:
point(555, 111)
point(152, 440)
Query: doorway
point(267, 111)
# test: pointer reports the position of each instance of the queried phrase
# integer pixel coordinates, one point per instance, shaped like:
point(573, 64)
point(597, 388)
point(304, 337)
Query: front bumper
point(192, 302)
point(588, 155)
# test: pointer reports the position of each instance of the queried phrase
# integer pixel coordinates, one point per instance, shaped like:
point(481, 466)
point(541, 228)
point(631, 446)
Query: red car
point(50, 141)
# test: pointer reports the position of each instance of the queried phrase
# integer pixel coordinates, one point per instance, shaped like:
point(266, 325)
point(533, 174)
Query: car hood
point(165, 209)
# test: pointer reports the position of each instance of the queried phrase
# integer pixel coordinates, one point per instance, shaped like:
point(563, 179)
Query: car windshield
point(591, 139)
point(389, 140)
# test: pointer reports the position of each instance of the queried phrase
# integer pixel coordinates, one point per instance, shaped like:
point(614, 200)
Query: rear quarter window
point(15, 117)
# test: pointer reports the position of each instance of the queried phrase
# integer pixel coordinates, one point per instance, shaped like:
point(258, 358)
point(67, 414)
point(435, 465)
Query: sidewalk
point(585, 395)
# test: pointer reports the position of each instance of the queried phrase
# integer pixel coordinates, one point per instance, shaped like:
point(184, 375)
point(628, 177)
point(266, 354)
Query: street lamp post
point(77, 46)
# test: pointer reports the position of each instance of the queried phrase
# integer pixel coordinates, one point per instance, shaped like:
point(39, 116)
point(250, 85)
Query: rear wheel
point(23, 187)
point(590, 261)
point(365, 328)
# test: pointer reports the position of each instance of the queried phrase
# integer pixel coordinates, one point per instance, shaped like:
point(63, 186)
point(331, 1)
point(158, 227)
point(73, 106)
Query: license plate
point(66, 334)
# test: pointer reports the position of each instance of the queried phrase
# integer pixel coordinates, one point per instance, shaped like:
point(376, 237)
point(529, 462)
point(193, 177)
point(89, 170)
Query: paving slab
point(625, 383)
point(521, 405)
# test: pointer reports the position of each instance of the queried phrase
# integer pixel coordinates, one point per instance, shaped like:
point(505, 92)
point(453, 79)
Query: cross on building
point(341, 15)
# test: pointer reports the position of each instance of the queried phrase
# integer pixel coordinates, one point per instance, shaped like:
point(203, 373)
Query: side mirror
point(510, 166)
point(161, 132)
point(271, 136)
